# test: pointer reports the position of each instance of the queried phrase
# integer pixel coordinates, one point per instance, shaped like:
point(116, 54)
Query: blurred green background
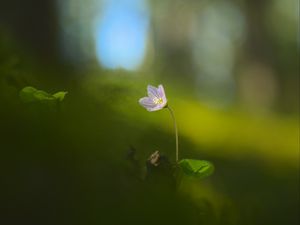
point(231, 73)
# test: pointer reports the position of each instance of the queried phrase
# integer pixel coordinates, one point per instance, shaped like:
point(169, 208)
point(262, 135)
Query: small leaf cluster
point(196, 168)
point(30, 94)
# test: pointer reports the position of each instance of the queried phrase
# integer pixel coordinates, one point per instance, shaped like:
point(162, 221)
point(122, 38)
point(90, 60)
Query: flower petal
point(161, 92)
point(147, 103)
point(156, 108)
point(152, 92)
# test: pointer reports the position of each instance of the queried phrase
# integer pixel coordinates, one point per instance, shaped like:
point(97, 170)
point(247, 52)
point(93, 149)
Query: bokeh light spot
point(121, 34)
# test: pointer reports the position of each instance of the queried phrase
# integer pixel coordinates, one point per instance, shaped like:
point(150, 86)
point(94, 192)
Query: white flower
point(156, 99)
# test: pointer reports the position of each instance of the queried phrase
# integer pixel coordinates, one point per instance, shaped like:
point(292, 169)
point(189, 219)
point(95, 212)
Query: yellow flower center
point(157, 100)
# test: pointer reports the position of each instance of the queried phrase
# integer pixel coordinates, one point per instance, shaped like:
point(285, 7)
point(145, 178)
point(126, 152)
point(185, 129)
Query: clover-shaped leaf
point(60, 95)
point(196, 168)
point(31, 94)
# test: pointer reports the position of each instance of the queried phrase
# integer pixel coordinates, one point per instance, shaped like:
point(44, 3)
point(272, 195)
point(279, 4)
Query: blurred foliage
point(71, 166)
point(30, 94)
point(196, 168)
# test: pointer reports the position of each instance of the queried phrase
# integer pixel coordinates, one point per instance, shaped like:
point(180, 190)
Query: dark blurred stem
point(176, 130)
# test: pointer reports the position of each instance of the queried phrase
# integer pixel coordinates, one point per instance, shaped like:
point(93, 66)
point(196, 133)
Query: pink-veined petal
point(147, 103)
point(161, 92)
point(156, 108)
point(152, 92)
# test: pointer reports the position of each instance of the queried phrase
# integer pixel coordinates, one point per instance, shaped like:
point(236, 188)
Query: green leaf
point(27, 94)
point(60, 95)
point(43, 96)
point(31, 94)
point(196, 168)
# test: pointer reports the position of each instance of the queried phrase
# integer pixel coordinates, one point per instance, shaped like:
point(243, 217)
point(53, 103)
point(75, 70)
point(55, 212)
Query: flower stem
point(176, 130)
